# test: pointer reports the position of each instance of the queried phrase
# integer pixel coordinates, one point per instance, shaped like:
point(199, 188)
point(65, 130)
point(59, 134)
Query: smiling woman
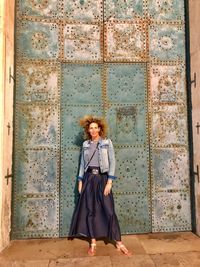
point(94, 216)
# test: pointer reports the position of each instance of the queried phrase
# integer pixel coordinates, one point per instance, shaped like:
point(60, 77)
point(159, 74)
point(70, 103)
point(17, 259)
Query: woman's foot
point(92, 249)
point(123, 249)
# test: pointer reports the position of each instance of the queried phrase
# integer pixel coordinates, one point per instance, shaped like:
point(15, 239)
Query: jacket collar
point(100, 141)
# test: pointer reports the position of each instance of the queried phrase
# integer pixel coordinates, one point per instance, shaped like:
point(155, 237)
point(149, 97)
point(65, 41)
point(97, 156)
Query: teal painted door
point(124, 60)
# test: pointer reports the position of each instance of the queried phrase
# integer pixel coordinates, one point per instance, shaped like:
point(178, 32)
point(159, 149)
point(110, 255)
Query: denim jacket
point(106, 158)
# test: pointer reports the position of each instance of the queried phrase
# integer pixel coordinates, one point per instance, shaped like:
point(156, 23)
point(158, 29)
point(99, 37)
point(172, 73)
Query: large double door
point(124, 60)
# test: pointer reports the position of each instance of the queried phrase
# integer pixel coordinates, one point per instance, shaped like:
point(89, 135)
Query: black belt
point(93, 170)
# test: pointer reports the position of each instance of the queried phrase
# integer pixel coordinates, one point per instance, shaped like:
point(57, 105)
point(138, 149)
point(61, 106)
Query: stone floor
point(149, 250)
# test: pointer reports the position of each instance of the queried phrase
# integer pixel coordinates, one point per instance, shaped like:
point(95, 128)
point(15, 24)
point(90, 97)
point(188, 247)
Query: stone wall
point(6, 116)
point(194, 6)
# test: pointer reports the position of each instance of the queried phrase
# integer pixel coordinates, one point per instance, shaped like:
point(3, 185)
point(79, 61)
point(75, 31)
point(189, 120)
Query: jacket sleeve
point(111, 158)
point(81, 166)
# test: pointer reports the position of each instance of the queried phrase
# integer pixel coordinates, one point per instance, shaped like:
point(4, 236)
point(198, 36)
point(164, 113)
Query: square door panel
point(167, 42)
point(126, 83)
point(37, 40)
point(170, 169)
point(132, 168)
point(37, 125)
point(168, 84)
point(81, 84)
point(82, 42)
point(36, 171)
point(125, 41)
point(166, 9)
point(39, 8)
point(171, 211)
point(127, 124)
point(169, 125)
point(37, 82)
point(36, 217)
point(83, 10)
point(123, 10)
point(133, 213)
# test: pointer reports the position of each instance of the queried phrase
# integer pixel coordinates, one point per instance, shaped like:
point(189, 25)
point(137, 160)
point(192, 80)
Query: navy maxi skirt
point(94, 215)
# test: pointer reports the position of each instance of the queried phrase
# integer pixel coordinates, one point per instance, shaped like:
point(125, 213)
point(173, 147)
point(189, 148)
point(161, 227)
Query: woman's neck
point(96, 139)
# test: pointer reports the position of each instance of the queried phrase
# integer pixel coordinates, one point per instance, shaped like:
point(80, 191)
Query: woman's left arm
point(111, 158)
point(111, 172)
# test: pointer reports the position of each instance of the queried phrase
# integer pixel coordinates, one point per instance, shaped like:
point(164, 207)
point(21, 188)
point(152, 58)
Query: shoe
point(92, 249)
point(123, 249)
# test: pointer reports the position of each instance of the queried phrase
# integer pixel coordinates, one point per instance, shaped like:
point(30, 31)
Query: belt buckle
point(95, 171)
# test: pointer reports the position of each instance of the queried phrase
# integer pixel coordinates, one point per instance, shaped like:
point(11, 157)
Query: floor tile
point(132, 261)
point(101, 261)
point(166, 260)
point(169, 243)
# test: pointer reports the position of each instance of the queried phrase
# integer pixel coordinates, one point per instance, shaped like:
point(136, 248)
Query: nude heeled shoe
point(92, 249)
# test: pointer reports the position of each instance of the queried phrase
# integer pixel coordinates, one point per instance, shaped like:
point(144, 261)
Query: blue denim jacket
point(106, 158)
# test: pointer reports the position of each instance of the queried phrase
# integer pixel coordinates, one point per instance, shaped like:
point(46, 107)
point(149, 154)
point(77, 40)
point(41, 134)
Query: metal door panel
point(166, 10)
point(170, 167)
point(32, 177)
point(37, 81)
point(125, 41)
point(167, 42)
point(123, 10)
point(37, 125)
point(82, 80)
point(37, 40)
point(41, 8)
point(127, 124)
point(126, 83)
point(36, 217)
point(168, 84)
point(83, 10)
point(169, 125)
point(82, 42)
point(171, 211)
point(133, 211)
point(132, 171)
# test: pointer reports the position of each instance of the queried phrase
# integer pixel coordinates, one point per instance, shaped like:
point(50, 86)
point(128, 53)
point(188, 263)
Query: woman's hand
point(108, 188)
point(80, 185)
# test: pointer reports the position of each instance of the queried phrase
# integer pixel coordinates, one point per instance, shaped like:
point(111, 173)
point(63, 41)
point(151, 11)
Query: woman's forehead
point(94, 124)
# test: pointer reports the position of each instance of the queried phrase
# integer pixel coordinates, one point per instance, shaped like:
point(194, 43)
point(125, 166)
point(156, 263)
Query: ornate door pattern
point(124, 60)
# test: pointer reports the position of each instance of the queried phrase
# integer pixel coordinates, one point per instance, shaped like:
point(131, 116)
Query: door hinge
point(194, 80)
point(8, 126)
point(9, 175)
point(198, 126)
point(11, 76)
point(196, 173)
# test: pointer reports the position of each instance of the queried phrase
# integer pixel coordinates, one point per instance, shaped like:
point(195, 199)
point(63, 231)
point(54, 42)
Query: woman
point(94, 215)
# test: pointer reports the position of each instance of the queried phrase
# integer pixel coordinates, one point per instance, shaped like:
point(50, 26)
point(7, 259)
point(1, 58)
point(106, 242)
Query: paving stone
point(189, 259)
point(166, 260)
point(132, 261)
point(35, 263)
point(100, 261)
point(169, 243)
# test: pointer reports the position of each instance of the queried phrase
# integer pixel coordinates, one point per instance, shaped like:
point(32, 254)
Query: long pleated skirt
point(94, 215)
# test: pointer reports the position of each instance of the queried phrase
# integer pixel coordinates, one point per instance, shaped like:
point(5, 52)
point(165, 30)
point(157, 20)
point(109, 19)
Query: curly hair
point(88, 119)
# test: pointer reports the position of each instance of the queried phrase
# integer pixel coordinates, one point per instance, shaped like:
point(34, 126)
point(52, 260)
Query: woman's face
point(94, 130)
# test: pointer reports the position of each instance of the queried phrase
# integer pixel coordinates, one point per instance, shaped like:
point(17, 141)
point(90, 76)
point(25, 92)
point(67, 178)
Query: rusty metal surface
point(124, 60)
